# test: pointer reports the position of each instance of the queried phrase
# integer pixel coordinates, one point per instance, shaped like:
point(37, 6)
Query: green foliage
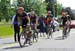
point(54, 6)
point(59, 8)
point(37, 5)
point(4, 9)
point(51, 5)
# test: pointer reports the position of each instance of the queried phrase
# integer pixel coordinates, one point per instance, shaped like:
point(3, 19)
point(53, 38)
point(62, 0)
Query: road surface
point(43, 44)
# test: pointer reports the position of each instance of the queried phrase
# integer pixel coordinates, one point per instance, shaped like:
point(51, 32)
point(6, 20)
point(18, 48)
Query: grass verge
point(6, 31)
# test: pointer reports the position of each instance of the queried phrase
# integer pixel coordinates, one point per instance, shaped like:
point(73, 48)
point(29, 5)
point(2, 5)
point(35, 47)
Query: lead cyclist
point(23, 18)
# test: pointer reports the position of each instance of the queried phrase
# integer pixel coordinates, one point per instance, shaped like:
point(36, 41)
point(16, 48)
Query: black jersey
point(65, 19)
point(23, 18)
point(33, 19)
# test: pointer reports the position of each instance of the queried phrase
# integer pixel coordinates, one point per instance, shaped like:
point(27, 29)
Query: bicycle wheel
point(64, 32)
point(68, 31)
point(49, 34)
point(22, 39)
point(49, 31)
point(34, 36)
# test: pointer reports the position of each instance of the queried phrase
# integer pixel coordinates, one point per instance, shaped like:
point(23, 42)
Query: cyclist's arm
point(70, 19)
point(28, 19)
point(36, 22)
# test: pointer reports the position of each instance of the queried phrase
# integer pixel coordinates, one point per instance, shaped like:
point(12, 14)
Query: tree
point(37, 5)
point(59, 8)
point(51, 5)
point(4, 6)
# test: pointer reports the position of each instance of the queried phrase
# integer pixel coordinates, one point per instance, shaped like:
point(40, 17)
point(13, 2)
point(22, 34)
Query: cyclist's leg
point(48, 32)
point(32, 32)
point(26, 41)
point(29, 35)
point(33, 36)
point(47, 29)
point(52, 26)
point(24, 31)
point(37, 34)
point(69, 28)
point(26, 37)
point(64, 31)
point(35, 29)
point(29, 39)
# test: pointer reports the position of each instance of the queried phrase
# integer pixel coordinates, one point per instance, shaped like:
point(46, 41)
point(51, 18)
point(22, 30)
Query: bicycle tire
point(22, 39)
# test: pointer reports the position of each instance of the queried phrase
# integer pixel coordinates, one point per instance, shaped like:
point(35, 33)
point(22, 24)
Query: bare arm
point(28, 19)
point(36, 22)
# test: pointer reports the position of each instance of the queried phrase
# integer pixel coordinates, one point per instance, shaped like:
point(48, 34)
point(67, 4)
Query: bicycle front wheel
point(22, 39)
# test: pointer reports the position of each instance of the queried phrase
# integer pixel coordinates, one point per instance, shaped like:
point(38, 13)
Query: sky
point(68, 3)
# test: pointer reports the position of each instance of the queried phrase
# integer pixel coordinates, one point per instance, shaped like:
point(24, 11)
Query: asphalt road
point(43, 44)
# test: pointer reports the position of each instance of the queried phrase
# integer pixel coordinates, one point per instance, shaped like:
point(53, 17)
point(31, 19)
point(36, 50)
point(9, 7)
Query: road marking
point(7, 46)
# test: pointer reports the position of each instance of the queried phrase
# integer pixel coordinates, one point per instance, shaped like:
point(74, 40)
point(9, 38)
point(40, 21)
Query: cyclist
point(64, 19)
point(48, 21)
point(23, 18)
point(49, 18)
point(33, 21)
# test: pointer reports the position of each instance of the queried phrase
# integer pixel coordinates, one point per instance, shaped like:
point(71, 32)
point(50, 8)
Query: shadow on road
point(59, 38)
point(9, 43)
point(16, 47)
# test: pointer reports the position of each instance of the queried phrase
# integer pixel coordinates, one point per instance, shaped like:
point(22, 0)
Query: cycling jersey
point(33, 19)
point(23, 18)
point(48, 19)
point(65, 19)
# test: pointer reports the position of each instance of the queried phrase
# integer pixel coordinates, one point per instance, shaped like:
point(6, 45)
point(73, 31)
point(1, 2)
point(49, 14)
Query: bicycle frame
point(66, 29)
point(49, 31)
point(24, 33)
